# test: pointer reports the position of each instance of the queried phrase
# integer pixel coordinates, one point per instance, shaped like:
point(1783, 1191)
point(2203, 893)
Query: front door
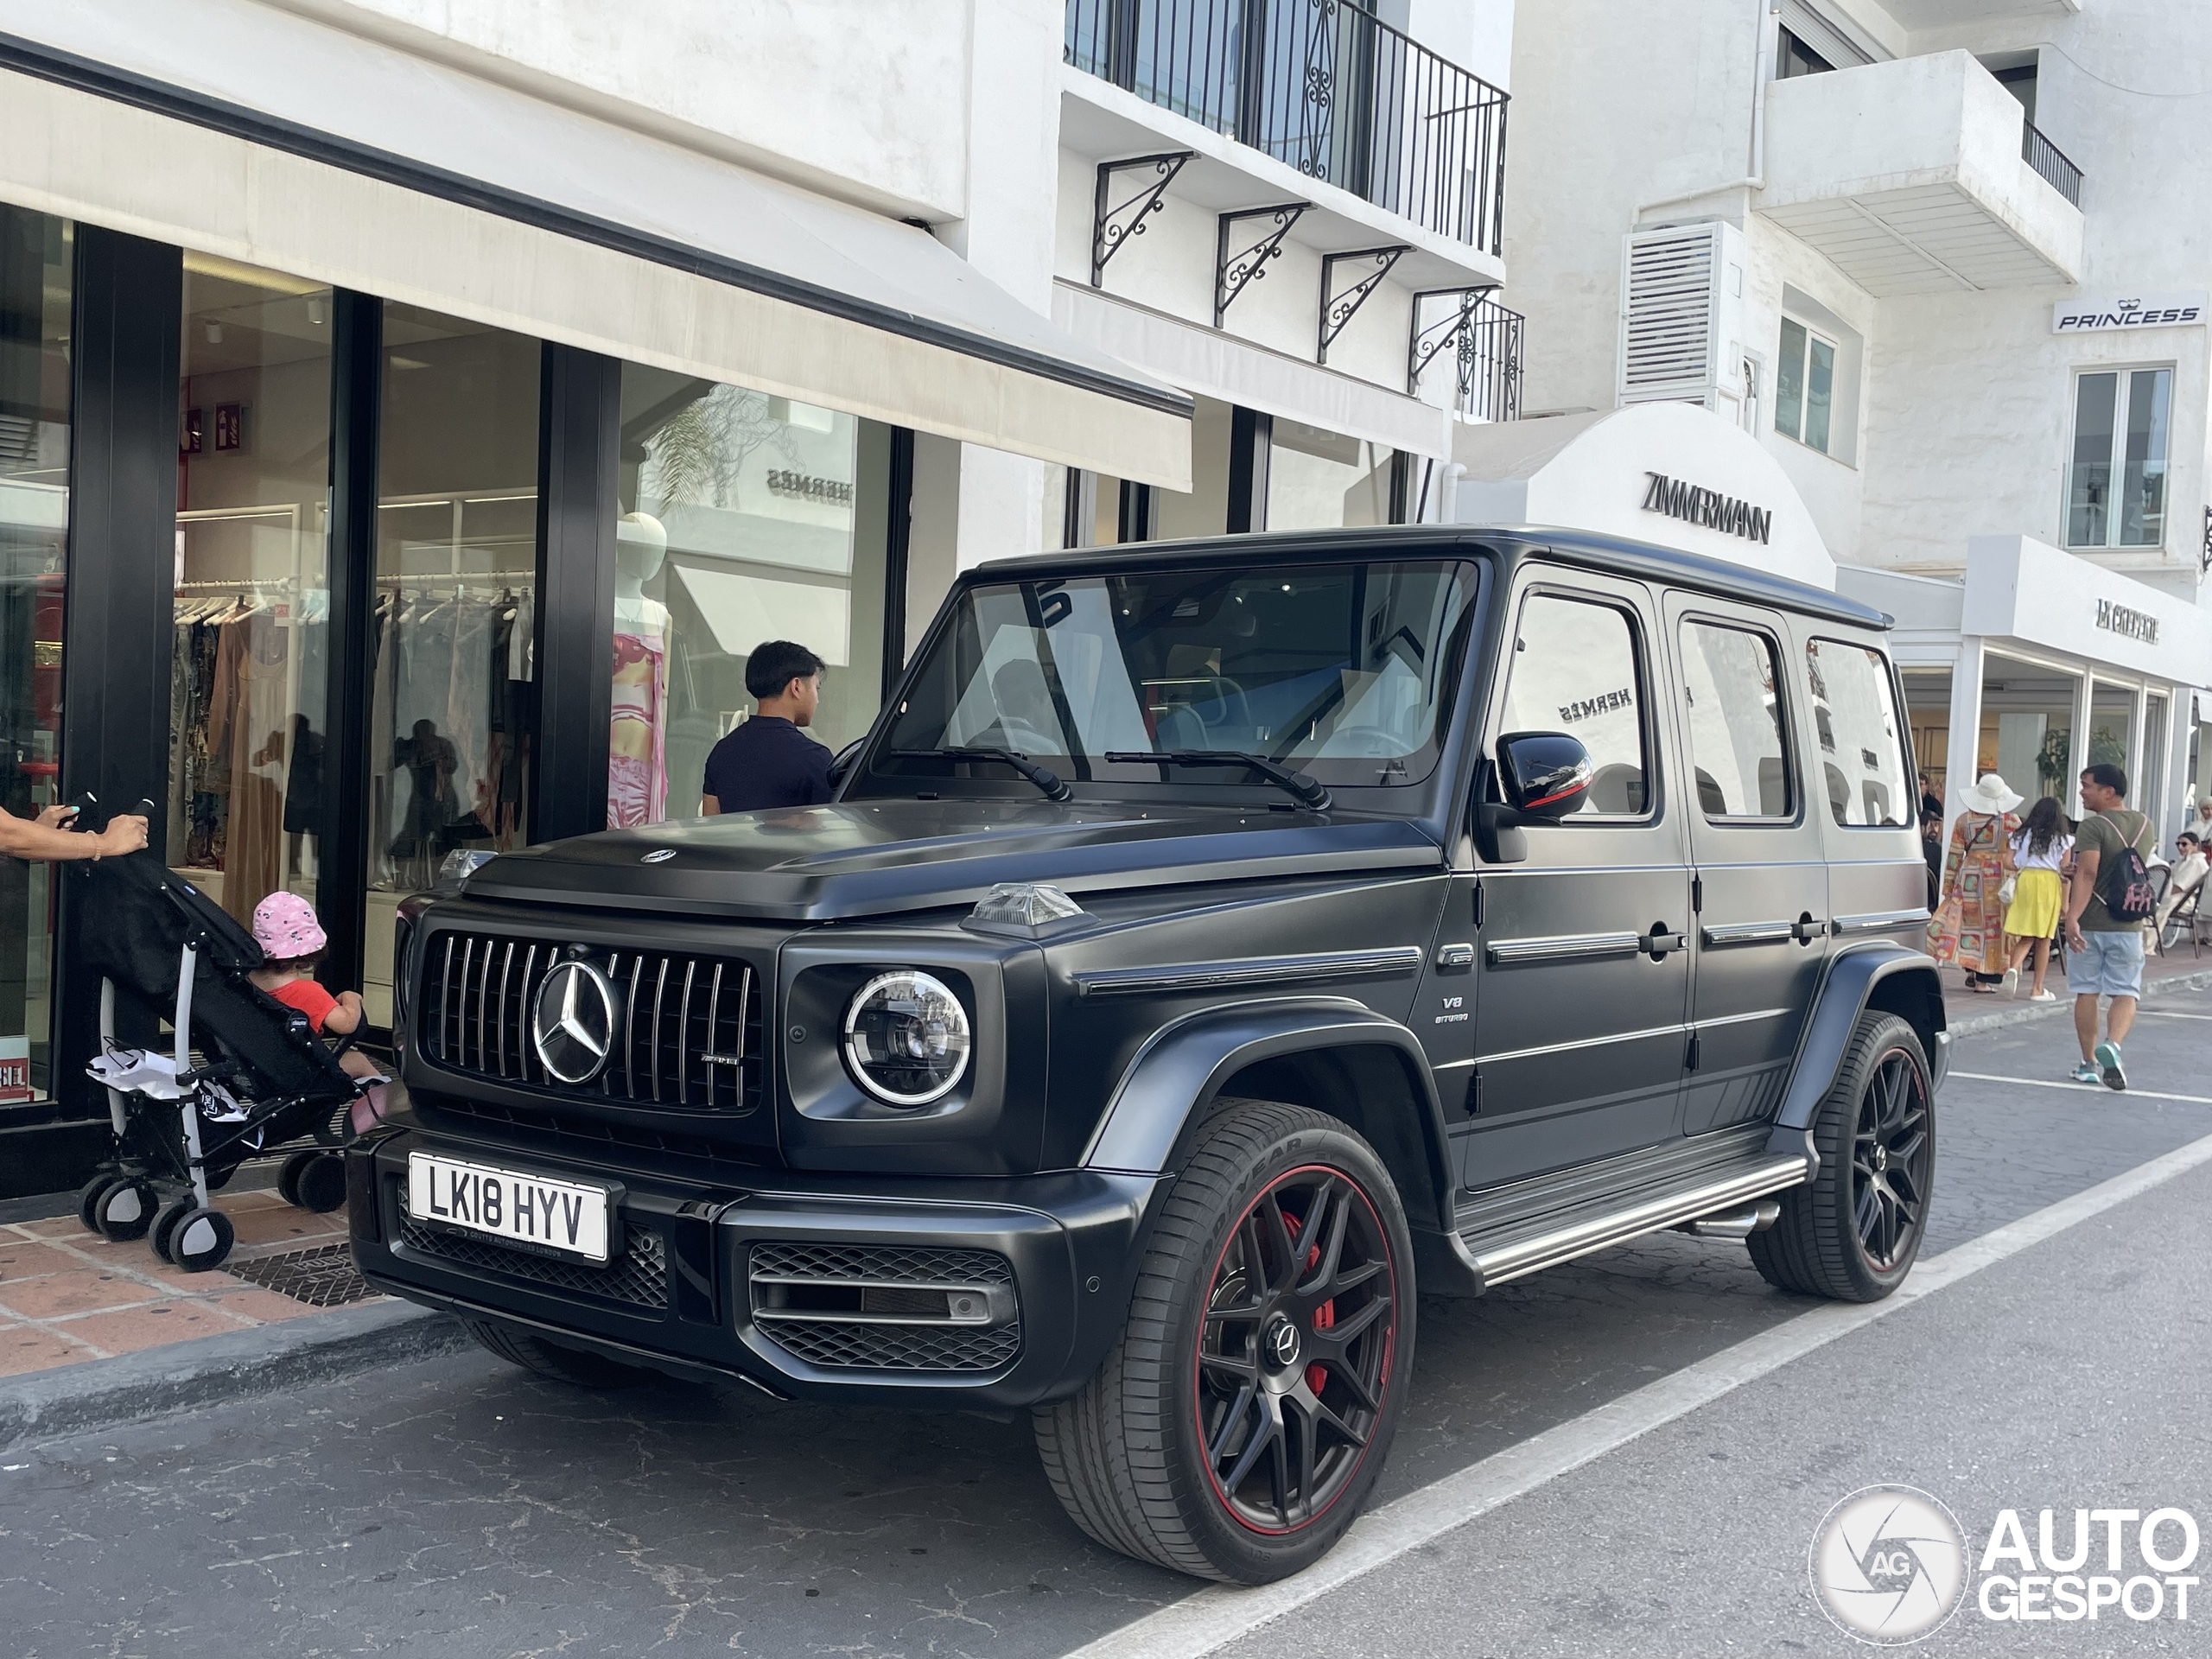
point(1582, 964)
point(1761, 882)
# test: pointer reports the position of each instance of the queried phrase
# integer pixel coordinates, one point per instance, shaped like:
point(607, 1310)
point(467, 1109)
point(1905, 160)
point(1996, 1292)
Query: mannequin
point(637, 763)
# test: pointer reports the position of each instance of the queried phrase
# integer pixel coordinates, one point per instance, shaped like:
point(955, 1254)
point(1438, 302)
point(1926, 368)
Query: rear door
point(1759, 882)
point(1582, 966)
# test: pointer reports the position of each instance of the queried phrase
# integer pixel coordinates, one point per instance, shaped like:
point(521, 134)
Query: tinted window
point(1862, 733)
point(1575, 671)
point(1735, 721)
point(1345, 672)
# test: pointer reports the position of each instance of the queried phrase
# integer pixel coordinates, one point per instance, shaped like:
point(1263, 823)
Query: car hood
point(865, 858)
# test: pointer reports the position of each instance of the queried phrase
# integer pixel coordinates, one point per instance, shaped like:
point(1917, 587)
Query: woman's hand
point(124, 834)
point(56, 817)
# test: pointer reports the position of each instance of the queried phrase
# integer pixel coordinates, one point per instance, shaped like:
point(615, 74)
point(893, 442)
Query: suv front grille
point(886, 1308)
point(688, 1028)
point(638, 1275)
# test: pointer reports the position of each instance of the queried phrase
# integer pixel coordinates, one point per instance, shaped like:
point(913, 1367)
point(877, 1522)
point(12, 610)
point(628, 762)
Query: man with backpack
point(2112, 897)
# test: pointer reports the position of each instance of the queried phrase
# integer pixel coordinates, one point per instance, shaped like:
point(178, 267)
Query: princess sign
point(2100, 316)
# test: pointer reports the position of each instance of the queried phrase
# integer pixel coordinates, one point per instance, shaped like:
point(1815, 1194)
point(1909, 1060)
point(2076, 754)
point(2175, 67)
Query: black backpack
point(2125, 885)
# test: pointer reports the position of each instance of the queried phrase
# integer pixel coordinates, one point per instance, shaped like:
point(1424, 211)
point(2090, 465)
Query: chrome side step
point(1512, 1258)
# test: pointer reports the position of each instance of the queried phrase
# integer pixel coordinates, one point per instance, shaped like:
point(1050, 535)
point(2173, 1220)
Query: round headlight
point(906, 1037)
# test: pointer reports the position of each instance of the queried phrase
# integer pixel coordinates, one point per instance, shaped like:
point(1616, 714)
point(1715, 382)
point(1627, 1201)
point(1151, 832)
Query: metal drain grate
point(321, 1277)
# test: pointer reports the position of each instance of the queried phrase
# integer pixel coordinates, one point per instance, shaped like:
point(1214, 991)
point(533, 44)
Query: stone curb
point(2195, 981)
point(209, 1370)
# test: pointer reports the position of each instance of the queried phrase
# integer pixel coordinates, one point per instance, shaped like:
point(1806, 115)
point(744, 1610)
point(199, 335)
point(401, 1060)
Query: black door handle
point(1658, 942)
point(1806, 928)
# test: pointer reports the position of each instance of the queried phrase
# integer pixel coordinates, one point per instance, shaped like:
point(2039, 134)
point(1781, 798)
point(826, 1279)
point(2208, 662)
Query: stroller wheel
point(200, 1239)
point(320, 1186)
point(165, 1223)
point(126, 1211)
point(89, 1196)
point(287, 1178)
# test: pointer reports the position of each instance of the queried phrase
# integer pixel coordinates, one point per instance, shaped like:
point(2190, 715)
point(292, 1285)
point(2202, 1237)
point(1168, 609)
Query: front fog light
point(906, 1037)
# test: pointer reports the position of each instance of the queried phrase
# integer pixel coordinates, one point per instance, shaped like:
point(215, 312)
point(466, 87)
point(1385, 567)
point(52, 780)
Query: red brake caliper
point(1316, 1374)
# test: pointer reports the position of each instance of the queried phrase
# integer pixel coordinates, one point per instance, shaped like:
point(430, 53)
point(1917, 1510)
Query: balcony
point(1321, 86)
point(1920, 175)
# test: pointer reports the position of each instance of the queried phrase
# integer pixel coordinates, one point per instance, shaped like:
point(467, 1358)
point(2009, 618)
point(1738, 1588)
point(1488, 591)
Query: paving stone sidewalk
point(68, 1296)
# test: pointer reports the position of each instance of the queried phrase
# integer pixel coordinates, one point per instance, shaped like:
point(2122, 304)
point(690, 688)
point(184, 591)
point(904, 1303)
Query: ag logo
point(1889, 1565)
point(572, 1024)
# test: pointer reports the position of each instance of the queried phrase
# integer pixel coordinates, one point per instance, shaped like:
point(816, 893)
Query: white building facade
point(1944, 261)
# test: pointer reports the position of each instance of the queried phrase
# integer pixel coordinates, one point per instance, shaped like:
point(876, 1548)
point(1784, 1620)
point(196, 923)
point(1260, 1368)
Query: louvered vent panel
point(1667, 345)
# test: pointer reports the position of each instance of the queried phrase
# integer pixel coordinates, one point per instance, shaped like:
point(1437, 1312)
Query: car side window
point(1575, 669)
point(1734, 705)
point(1861, 734)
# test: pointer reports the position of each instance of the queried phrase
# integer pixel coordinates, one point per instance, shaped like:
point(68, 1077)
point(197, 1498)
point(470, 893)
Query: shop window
point(747, 518)
point(1734, 706)
point(248, 681)
point(1575, 671)
point(1861, 734)
point(1318, 480)
point(2116, 478)
point(35, 323)
point(453, 708)
point(1804, 386)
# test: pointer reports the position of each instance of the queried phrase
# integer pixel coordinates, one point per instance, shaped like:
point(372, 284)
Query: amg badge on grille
point(572, 1026)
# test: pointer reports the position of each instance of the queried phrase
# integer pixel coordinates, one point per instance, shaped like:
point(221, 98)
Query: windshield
point(1344, 671)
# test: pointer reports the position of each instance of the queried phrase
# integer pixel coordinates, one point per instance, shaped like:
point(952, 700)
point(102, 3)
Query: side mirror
point(1543, 775)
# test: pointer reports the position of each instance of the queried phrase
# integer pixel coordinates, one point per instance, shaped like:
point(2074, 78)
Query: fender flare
point(1185, 1064)
point(1847, 988)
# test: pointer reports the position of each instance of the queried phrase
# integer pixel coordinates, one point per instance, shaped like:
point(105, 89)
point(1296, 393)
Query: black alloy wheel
point(1893, 1154)
point(1296, 1354)
point(1853, 1231)
point(1238, 1424)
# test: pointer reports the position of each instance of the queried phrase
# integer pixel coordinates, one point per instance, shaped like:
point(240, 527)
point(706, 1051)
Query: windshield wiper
point(1048, 781)
point(1309, 791)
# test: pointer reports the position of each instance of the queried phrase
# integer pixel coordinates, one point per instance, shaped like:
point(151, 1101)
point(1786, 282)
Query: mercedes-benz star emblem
point(572, 1024)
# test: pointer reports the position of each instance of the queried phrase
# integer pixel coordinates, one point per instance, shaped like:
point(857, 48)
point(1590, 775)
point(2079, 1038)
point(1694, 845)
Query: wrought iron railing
point(2050, 161)
point(1323, 86)
point(1489, 363)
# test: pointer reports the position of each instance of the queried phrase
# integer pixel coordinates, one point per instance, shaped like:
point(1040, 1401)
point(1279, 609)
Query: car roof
point(1512, 542)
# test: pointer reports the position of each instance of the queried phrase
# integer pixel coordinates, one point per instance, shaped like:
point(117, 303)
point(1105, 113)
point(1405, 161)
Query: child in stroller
point(291, 938)
point(246, 1075)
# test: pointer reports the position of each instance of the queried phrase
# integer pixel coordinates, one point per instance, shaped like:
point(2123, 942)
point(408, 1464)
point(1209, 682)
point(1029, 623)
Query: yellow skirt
point(2036, 902)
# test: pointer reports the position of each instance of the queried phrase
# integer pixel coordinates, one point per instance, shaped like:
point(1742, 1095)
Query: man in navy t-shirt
point(767, 760)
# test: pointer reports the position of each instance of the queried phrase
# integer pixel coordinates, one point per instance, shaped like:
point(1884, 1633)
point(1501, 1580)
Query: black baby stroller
point(261, 1078)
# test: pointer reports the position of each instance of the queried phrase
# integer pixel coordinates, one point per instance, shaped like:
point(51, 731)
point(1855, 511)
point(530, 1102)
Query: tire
point(534, 1353)
point(165, 1224)
point(320, 1187)
point(126, 1210)
point(1853, 1232)
point(1209, 1440)
point(89, 1196)
point(288, 1176)
point(201, 1240)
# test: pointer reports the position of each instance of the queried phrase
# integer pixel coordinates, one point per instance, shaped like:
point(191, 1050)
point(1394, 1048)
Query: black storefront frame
point(118, 609)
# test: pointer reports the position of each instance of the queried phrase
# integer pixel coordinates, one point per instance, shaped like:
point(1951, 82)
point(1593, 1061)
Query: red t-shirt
point(309, 999)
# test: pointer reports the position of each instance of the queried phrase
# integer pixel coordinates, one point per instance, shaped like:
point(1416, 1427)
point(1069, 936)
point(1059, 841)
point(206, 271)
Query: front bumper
point(997, 1294)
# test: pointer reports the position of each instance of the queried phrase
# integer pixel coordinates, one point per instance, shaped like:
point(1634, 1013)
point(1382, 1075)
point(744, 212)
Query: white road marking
point(1215, 1616)
point(2171, 1014)
point(2085, 1088)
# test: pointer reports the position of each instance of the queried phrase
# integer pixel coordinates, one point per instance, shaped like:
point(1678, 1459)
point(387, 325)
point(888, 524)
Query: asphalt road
point(458, 1507)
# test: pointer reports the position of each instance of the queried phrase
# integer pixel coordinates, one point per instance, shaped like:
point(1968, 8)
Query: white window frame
point(1836, 361)
point(2117, 461)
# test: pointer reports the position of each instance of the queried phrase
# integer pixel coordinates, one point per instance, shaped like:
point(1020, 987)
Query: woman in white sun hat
point(1969, 924)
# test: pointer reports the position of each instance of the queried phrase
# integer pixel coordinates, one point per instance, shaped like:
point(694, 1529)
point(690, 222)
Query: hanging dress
point(637, 762)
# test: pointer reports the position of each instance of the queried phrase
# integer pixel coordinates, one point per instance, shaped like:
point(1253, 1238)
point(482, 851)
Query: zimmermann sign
point(1729, 514)
point(2139, 311)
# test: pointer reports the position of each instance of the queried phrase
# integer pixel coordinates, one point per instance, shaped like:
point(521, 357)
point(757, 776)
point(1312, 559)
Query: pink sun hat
point(284, 925)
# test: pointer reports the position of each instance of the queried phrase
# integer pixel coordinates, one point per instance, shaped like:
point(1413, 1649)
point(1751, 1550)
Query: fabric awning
point(259, 135)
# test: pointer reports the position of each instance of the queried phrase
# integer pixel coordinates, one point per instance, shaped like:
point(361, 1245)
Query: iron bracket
point(1113, 223)
point(1234, 272)
point(1425, 345)
point(1340, 309)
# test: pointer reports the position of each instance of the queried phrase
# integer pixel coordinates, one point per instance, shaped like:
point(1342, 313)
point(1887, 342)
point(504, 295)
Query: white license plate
point(563, 1216)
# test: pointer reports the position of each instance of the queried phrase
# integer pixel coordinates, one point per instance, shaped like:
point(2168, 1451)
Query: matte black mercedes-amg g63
point(1211, 944)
